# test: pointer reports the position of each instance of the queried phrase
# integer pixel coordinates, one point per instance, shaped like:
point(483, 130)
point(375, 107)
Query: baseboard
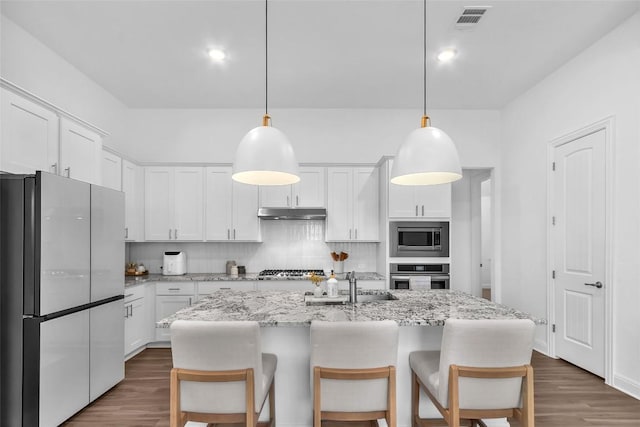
point(626, 385)
point(134, 353)
point(541, 347)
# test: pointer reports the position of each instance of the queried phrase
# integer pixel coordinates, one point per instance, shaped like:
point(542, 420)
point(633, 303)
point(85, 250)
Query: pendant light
point(265, 155)
point(428, 156)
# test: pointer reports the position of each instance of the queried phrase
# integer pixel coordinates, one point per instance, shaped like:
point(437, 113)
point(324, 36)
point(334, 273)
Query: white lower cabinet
point(171, 297)
point(136, 319)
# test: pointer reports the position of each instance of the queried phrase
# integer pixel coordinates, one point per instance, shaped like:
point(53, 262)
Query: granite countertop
point(210, 277)
point(287, 308)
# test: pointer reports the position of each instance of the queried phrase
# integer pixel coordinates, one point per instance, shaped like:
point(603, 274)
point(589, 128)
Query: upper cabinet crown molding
point(61, 112)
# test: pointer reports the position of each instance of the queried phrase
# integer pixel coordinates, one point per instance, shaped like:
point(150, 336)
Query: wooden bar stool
point(219, 373)
point(353, 369)
point(482, 371)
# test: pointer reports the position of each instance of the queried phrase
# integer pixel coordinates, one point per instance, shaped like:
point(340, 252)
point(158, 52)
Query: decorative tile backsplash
point(285, 244)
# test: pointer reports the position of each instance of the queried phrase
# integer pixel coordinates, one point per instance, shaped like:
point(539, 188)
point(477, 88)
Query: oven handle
point(402, 277)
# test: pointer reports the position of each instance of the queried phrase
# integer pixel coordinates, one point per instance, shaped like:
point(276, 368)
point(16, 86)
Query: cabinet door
point(130, 181)
point(246, 225)
point(158, 203)
point(339, 204)
point(401, 201)
point(275, 196)
point(188, 204)
point(433, 200)
point(80, 152)
point(111, 171)
point(219, 206)
point(166, 305)
point(366, 209)
point(135, 325)
point(29, 136)
point(309, 192)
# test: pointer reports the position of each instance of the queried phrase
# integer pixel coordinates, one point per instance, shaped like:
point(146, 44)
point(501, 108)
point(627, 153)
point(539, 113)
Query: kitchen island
point(285, 318)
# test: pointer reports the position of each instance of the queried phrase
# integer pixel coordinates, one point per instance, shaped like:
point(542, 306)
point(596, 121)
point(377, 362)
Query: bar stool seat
point(220, 374)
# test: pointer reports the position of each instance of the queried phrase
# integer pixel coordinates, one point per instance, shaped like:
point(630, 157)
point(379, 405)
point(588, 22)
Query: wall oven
point(419, 239)
point(430, 276)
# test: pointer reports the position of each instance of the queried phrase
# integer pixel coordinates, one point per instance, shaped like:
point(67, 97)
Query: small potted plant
point(316, 280)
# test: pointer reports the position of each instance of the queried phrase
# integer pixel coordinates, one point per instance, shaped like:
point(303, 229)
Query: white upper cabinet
point(231, 208)
point(352, 204)
point(29, 138)
point(111, 171)
point(132, 181)
point(308, 193)
point(80, 152)
point(174, 203)
point(419, 201)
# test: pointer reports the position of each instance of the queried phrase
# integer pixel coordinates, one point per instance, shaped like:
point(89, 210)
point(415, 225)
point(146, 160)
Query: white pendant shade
point(427, 157)
point(265, 157)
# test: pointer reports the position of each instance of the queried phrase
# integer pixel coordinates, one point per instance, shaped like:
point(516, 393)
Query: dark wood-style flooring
point(565, 396)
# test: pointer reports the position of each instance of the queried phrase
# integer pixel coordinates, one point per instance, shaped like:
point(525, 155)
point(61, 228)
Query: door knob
point(595, 285)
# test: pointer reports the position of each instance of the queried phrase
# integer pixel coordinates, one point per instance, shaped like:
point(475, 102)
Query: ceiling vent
point(470, 17)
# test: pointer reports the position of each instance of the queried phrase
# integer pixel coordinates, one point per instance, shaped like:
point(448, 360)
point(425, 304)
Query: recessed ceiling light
point(446, 55)
point(216, 55)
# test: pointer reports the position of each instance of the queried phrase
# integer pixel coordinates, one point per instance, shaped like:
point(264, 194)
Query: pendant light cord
point(266, 58)
point(424, 56)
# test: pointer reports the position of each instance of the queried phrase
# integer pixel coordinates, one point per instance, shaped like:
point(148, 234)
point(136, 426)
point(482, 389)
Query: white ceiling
point(322, 53)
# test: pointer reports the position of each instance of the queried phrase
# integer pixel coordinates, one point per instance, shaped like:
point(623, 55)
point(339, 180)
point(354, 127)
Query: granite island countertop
point(287, 308)
point(212, 277)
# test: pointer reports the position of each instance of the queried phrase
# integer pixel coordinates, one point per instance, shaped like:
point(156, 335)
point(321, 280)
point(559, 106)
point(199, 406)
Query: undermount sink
point(376, 297)
point(344, 299)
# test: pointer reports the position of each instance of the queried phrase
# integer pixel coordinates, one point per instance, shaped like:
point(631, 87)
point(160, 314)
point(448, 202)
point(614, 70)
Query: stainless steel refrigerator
point(61, 296)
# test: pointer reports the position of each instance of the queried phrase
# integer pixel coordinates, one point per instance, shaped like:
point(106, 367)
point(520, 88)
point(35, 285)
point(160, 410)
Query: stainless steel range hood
point(292, 213)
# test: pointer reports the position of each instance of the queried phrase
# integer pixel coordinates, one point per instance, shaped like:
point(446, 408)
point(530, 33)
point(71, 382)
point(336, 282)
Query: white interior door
point(578, 238)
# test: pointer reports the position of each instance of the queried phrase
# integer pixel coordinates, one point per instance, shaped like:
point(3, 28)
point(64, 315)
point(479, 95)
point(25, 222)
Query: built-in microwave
point(419, 239)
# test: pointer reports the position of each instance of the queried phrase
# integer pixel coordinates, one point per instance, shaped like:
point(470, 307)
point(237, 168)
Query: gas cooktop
point(289, 274)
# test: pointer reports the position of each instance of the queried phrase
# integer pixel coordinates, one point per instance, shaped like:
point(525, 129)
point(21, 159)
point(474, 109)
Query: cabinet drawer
point(175, 288)
point(133, 293)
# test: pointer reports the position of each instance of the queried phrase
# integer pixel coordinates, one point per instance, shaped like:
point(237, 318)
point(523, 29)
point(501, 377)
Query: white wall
point(28, 63)
point(461, 234)
point(318, 136)
point(285, 244)
point(600, 82)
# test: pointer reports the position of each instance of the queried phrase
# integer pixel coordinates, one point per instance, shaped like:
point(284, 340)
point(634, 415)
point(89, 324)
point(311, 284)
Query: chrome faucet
point(353, 293)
